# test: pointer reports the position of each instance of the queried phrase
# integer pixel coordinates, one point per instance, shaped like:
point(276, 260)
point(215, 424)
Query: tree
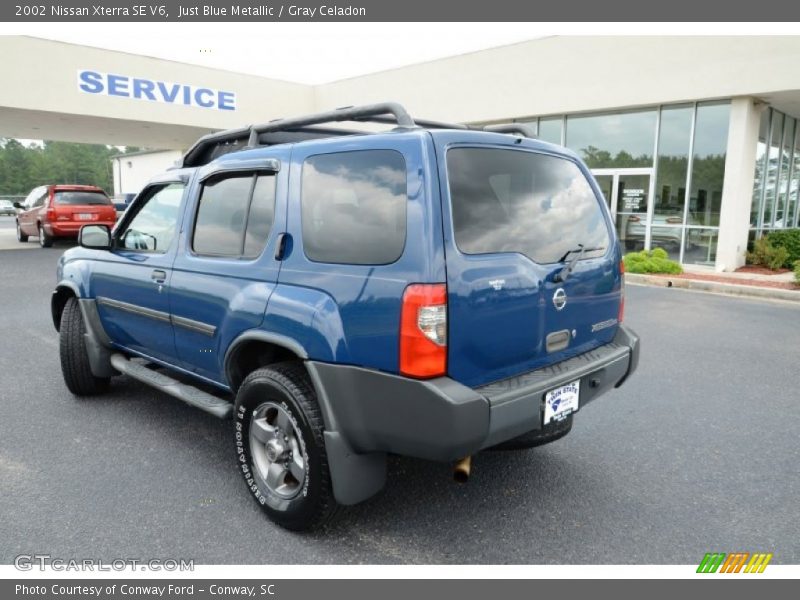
point(23, 168)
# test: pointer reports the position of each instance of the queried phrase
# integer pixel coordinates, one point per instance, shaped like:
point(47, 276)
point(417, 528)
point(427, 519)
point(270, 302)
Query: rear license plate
point(84, 216)
point(561, 402)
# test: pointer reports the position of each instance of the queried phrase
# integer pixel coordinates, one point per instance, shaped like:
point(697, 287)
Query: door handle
point(159, 276)
point(280, 245)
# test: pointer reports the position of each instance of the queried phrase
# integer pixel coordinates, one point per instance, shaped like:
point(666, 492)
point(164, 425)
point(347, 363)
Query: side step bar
point(189, 394)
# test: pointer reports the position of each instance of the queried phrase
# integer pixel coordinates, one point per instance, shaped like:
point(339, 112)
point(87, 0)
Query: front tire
point(280, 447)
point(21, 237)
point(74, 357)
point(45, 241)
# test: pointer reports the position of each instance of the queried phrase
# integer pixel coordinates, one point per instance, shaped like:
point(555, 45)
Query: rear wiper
point(579, 252)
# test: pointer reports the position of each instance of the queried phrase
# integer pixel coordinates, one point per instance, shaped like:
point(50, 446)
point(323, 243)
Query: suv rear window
point(515, 201)
point(81, 198)
point(354, 207)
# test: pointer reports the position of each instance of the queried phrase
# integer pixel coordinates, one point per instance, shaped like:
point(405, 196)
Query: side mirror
point(96, 237)
point(18, 205)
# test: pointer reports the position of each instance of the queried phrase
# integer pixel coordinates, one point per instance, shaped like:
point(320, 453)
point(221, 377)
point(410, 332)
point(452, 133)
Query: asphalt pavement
point(698, 452)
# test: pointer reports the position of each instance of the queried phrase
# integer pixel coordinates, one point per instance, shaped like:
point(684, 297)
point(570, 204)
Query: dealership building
point(694, 141)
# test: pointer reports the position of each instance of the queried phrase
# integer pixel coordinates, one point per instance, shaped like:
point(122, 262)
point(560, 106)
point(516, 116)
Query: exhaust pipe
point(462, 469)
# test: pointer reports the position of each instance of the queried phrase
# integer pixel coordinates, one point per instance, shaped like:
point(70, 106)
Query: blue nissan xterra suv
point(430, 291)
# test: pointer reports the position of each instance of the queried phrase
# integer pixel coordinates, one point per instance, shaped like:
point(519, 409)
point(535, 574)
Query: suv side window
point(155, 222)
point(39, 201)
point(35, 198)
point(353, 207)
point(235, 215)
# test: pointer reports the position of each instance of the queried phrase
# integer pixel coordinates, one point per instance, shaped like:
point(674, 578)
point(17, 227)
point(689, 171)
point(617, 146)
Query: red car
point(59, 211)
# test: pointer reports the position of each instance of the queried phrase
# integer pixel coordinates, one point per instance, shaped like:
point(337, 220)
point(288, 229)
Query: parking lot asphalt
point(698, 452)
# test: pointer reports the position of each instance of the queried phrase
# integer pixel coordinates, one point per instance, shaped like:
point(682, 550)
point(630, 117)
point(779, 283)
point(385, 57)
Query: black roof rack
point(518, 128)
point(294, 129)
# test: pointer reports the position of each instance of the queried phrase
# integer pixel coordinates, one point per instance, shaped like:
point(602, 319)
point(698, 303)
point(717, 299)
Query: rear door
point(514, 216)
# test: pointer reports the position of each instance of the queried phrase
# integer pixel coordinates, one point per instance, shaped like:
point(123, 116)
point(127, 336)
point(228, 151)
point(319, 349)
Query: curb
point(730, 289)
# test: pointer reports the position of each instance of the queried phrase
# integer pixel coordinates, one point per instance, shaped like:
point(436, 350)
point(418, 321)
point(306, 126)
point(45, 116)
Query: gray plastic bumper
point(440, 419)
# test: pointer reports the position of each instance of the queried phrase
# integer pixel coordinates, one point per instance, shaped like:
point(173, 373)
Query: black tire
point(74, 358)
point(538, 437)
point(45, 241)
point(21, 237)
point(288, 387)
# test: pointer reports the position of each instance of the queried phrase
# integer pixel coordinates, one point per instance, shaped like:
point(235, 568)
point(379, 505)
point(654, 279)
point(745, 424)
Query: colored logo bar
point(736, 562)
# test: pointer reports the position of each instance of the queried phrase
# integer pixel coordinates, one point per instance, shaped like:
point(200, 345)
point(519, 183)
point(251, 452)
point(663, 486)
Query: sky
point(315, 53)
point(309, 53)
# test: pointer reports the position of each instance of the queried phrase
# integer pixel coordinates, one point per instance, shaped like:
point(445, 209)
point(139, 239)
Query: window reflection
point(613, 140)
point(674, 139)
point(773, 159)
point(708, 165)
point(761, 158)
point(784, 167)
point(550, 129)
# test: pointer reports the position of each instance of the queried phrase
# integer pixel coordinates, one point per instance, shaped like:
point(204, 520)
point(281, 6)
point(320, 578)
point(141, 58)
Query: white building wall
point(131, 173)
point(558, 75)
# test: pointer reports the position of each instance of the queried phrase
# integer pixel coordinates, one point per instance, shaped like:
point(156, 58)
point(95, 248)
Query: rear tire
point(74, 357)
point(45, 241)
point(280, 447)
point(21, 237)
point(538, 437)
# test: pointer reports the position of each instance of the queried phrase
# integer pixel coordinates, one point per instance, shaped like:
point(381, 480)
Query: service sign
point(153, 90)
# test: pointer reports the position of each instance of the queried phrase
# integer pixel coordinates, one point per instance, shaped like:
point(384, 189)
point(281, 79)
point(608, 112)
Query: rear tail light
point(423, 331)
point(621, 313)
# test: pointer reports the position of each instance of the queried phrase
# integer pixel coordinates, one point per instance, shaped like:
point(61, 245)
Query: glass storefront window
point(784, 168)
point(708, 164)
point(550, 129)
point(773, 162)
point(700, 246)
point(674, 136)
point(613, 140)
point(761, 156)
point(794, 183)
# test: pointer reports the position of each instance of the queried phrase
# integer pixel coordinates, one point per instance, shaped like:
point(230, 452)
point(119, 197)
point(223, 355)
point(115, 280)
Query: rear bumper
point(440, 419)
point(70, 228)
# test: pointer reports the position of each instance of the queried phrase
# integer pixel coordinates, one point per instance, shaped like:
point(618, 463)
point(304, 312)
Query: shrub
point(797, 272)
point(789, 239)
point(659, 253)
point(654, 261)
point(764, 253)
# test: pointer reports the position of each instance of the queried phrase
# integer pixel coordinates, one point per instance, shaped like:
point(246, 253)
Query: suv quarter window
point(235, 214)
point(155, 222)
point(353, 207)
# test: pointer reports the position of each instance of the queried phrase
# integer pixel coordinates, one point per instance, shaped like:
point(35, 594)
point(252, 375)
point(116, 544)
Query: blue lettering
point(117, 85)
point(92, 83)
point(143, 88)
point(226, 101)
point(198, 97)
point(172, 94)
